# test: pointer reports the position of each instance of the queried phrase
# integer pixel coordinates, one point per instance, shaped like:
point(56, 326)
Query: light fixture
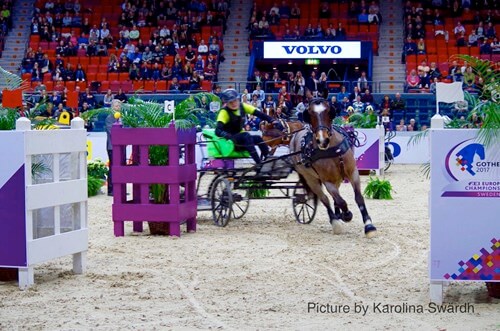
point(290, 62)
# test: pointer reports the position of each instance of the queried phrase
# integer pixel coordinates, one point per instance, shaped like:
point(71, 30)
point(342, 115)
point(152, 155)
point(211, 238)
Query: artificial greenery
point(8, 117)
point(483, 103)
point(378, 189)
point(196, 103)
point(97, 168)
point(38, 169)
point(97, 171)
point(138, 113)
point(255, 189)
point(486, 104)
point(11, 81)
point(366, 120)
point(94, 185)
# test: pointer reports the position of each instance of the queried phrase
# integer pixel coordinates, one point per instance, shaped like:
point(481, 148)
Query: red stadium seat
point(112, 76)
point(49, 85)
point(161, 86)
point(127, 86)
point(91, 76)
point(82, 85)
point(138, 85)
point(101, 76)
point(104, 86)
point(149, 86)
point(92, 68)
point(115, 86)
point(206, 85)
point(71, 85)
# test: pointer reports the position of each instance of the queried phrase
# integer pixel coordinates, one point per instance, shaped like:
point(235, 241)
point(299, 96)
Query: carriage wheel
point(222, 201)
point(304, 205)
point(204, 184)
point(241, 201)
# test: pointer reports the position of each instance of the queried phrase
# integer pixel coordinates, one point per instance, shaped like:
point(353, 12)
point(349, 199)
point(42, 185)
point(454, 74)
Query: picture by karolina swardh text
point(386, 308)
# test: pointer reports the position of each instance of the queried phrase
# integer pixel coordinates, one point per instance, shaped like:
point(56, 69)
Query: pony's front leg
point(340, 203)
point(370, 229)
point(314, 185)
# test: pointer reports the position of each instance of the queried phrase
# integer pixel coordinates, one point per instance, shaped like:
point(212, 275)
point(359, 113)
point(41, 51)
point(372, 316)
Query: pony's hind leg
point(314, 185)
point(346, 216)
point(370, 229)
point(339, 202)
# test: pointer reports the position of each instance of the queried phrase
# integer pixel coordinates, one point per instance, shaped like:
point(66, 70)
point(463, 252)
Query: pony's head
point(320, 117)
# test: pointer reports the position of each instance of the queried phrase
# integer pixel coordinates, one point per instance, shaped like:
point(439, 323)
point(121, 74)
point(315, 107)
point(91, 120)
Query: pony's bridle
point(317, 101)
point(323, 127)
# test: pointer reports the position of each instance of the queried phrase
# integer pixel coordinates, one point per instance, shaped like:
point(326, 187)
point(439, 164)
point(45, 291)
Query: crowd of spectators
point(174, 48)
point(468, 27)
point(144, 57)
point(263, 21)
point(285, 96)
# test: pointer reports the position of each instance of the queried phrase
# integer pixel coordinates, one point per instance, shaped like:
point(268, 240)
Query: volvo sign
point(312, 49)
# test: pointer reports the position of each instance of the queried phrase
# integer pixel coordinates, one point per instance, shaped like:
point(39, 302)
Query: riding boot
point(264, 150)
point(255, 156)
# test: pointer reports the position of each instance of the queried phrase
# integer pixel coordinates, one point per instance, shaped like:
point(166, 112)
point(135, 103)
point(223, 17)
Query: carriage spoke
point(241, 201)
point(239, 207)
point(308, 210)
point(304, 205)
point(300, 214)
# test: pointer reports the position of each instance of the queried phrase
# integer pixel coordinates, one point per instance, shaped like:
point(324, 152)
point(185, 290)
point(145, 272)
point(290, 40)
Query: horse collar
point(310, 154)
point(332, 152)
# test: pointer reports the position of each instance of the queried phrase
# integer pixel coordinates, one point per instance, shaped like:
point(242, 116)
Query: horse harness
point(311, 154)
point(284, 131)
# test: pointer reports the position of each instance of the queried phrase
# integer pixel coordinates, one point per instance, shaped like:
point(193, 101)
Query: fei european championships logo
point(474, 172)
point(468, 159)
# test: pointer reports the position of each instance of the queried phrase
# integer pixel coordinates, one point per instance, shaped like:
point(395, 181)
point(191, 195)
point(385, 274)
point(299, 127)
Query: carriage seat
point(221, 148)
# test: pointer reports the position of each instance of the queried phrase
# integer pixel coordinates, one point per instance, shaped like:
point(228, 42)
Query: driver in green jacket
point(230, 122)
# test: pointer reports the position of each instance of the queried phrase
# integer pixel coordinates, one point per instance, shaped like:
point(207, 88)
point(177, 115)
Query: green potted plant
point(378, 189)
point(97, 171)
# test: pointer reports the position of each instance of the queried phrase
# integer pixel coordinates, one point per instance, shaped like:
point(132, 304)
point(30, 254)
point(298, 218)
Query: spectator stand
point(96, 67)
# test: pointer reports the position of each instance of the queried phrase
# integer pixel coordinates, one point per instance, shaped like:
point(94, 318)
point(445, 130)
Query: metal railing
point(334, 86)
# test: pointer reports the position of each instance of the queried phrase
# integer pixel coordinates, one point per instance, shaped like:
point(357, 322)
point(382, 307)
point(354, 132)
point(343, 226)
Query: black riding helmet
point(229, 95)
